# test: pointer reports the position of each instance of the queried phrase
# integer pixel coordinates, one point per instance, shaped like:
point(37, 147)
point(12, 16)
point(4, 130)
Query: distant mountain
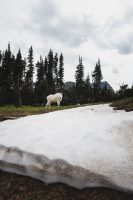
point(107, 85)
point(70, 84)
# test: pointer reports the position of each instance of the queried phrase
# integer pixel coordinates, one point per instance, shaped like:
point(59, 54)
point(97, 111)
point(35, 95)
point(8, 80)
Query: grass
point(10, 111)
point(123, 104)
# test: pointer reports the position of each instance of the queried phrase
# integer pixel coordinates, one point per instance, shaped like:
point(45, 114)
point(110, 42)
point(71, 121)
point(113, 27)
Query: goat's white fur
point(53, 98)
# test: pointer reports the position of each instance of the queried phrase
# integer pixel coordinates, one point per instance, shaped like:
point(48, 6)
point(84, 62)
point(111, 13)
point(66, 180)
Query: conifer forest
point(24, 82)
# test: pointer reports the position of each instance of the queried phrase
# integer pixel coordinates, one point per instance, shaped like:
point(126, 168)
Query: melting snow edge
point(41, 167)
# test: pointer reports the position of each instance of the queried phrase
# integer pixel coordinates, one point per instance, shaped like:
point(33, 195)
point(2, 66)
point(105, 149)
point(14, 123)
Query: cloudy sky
point(90, 28)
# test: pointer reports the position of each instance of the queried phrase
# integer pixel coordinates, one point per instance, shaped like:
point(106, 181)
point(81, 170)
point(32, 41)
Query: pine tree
point(30, 68)
point(97, 77)
point(1, 79)
point(41, 84)
point(61, 72)
point(40, 70)
point(87, 80)
point(28, 88)
point(0, 57)
point(56, 73)
point(24, 72)
point(87, 89)
point(50, 68)
point(45, 67)
point(7, 77)
point(45, 77)
point(18, 73)
point(79, 77)
point(97, 74)
point(0, 69)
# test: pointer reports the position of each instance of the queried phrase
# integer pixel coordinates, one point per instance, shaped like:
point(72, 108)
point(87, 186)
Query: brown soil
point(16, 187)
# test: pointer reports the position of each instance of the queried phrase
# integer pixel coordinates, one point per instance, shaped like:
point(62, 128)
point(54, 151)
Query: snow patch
point(83, 147)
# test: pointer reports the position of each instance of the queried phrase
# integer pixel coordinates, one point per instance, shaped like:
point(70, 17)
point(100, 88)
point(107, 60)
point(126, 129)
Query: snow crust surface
point(83, 147)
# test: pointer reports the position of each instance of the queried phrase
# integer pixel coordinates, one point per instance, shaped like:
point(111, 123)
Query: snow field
point(83, 147)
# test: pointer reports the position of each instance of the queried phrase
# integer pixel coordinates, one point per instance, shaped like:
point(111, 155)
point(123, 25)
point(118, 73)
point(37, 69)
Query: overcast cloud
point(92, 29)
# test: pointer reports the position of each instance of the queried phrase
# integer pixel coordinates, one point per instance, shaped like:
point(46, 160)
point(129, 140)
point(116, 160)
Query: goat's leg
point(58, 103)
point(47, 104)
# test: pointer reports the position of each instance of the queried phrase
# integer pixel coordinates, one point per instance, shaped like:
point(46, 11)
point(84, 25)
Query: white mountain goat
point(53, 98)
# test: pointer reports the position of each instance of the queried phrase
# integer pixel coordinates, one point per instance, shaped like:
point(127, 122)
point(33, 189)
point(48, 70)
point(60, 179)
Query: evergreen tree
point(56, 73)
point(0, 67)
point(79, 77)
point(41, 84)
point(50, 68)
point(88, 94)
point(97, 77)
point(18, 73)
point(123, 90)
point(87, 81)
point(24, 73)
point(70, 96)
point(45, 67)
point(1, 79)
point(61, 72)
point(0, 58)
point(40, 70)
point(30, 68)
point(7, 77)
point(28, 88)
point(97, 74)
point(45, 77)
